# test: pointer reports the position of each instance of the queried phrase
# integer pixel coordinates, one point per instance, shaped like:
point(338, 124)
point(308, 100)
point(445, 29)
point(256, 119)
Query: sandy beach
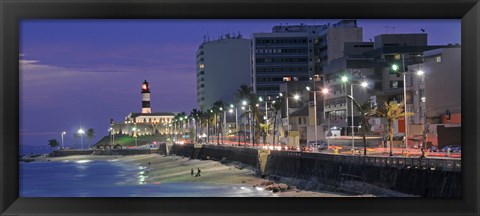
point(161, 169)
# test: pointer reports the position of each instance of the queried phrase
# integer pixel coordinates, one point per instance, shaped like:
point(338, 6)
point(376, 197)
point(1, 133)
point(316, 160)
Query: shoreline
point(172, 169)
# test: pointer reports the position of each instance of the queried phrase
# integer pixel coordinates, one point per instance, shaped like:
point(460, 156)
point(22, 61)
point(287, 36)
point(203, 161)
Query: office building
point(297, 52)
point(221, 66)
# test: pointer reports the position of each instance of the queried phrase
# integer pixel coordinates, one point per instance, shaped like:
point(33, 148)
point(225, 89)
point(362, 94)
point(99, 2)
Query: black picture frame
point(12, 11)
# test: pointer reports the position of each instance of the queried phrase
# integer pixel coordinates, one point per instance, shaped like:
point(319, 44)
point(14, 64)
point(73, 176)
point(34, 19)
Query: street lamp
point(236, 121)
point(425, 127)
point(420, 72)
point(324, 91)
point(135, 135)
point(63, 133)
point(295, 97)
point(363, 84)
point(81, 132)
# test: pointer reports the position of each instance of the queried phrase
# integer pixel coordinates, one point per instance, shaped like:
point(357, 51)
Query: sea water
point(89, 178)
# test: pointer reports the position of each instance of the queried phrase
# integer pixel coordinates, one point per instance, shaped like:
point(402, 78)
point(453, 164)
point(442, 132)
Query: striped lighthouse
point(146, 97)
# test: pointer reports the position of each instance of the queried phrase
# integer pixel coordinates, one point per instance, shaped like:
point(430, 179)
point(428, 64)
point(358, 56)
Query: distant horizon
point(81, 73)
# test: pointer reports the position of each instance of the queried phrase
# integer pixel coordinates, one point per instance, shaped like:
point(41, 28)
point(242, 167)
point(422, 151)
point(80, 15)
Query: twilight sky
point(81, 73)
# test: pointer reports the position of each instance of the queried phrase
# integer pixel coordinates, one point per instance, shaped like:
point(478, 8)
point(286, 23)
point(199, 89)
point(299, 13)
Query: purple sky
point(81, 73)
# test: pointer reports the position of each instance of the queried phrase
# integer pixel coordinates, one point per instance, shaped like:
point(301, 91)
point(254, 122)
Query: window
point(438, 59)
point(286, 79)
point(202, 66)
point(394, 84)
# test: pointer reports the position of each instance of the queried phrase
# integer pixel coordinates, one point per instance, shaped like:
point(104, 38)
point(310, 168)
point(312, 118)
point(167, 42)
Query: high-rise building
point(222, 66)
point(297, 52)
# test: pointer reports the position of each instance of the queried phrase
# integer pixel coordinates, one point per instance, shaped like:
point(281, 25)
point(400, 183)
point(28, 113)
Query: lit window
point(438, 59)
point(286, 79)
point(202, 66)
point(397, 57)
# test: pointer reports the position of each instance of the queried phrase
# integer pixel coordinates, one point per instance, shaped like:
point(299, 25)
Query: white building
point(146, 122)
point(222, 66)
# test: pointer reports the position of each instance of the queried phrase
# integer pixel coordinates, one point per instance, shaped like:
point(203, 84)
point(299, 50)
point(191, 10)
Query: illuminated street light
point(395, 67)
point(363, 84)
point(81, 132)
point(295, 97)
point(63, 133)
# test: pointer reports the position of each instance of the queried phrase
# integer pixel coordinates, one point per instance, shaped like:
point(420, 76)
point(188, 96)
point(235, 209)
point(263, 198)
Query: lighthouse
point(146, 97)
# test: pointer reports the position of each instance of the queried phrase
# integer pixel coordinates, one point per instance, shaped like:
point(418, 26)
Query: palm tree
point(195, 114)
point(90, 135)
point(53, 143)
point(392, 111)
point(246, 93)
point(276, 107)
point(218, 108)
point(365, 111)
point(76, 136)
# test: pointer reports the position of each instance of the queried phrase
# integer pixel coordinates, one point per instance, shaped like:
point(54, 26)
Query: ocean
point(30, 149)
point(88, 178)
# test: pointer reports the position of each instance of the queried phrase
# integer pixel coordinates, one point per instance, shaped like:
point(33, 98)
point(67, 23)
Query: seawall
point(427, 177)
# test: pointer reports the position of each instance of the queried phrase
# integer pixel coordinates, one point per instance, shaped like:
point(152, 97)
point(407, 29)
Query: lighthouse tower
point(146, 98)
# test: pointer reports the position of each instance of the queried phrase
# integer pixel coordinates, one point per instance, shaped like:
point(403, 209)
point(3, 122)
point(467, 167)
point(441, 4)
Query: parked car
point(452, 147)
point(433, 149)
point(321, 144)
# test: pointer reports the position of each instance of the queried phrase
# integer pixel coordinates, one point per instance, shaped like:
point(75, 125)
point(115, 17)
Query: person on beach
point(198, 172)
point(191, 172)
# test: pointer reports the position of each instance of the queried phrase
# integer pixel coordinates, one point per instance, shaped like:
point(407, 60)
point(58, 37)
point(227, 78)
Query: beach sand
point(167, 169)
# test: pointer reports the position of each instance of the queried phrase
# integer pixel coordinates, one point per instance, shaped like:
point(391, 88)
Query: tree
point(392, 111)
point(276, 107)
point(365, 111)
point(195, 114)
point(76, 136)
point(218, 108)
point(90, 135)
point(53, 143)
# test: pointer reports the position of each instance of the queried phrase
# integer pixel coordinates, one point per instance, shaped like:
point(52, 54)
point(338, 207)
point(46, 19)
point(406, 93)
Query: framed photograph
point(239, 108)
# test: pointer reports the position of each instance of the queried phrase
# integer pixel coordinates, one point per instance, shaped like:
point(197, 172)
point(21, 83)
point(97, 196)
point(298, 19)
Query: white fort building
point(146, 122)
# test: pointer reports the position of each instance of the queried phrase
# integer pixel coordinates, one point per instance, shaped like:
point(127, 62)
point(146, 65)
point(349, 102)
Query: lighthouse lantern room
point(146, 98)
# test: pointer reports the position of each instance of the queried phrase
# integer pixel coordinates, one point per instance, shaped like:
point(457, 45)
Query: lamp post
point(425, 126)
point(420, 73)
point(63, 133)
point(295, 97)
point(236, 121)
point(324, 91)
point(364, 85)
point(135, 135)
point(81, 132)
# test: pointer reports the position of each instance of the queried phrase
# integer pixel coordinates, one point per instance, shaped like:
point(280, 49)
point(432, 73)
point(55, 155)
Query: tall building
point(297, 52)
point(222, 66)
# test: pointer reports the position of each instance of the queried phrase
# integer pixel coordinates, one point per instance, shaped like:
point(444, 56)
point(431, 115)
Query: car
point(321, 144)
point(451, 147)
point(457, 149)
point(433, 149)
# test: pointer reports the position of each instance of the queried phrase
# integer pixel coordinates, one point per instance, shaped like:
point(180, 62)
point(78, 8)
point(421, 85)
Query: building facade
point(221, 66)
point(436, 96)
point(297, 52)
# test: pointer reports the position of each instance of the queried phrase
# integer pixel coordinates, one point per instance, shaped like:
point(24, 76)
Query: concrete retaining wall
point(427, 178)
point(244, 155)
point(334, 170)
